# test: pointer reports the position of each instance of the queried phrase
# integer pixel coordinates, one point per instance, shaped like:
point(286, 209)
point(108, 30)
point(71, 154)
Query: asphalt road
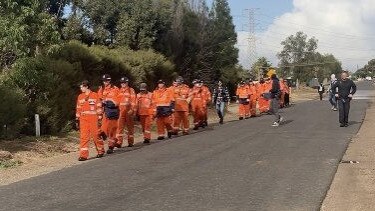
point(242, 165)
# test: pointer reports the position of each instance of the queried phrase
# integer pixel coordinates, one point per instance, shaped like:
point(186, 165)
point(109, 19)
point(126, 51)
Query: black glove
point(77, 124)
point(103, 136)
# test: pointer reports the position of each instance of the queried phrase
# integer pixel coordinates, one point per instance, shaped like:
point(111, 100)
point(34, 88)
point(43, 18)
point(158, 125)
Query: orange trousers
point(264, 105)
point(243, 110)
point(163, 123)
point(199, 115)
point(282, 101)
point(253, 107)
point(146, 122)
point(127, 121)
point(109, 127)
point(181, 117)
point(89, 129)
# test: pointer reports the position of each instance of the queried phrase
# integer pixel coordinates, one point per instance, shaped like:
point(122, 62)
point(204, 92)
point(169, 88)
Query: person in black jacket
point(321, 91)
point(275, 93)
point(344, 91)
point(220, 97)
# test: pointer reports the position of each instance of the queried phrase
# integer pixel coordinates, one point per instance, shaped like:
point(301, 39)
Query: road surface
point(242, 165)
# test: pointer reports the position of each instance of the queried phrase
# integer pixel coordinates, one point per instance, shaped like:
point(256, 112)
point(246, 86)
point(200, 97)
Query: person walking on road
point(321, 91)
point(89, 115)
point(127, 100)
point(220, 97)
point(144, 111)
point(344, 91)
point(164, 105)
point(332, 99)
point(275, 93)
point(108, 94)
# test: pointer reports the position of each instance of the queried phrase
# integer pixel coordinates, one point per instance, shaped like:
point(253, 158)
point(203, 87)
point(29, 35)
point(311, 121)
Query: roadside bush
point(50, 82)
point(12, 111)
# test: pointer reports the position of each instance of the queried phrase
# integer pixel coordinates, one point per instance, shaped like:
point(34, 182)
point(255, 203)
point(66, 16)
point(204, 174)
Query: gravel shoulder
point(353, 187)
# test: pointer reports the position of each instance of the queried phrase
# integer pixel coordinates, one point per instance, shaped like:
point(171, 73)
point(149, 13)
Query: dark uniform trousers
point(344, 107)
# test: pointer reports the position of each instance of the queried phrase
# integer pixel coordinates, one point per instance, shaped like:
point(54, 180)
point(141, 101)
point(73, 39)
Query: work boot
point(130, 145)
point(196, 127)
point(162, 137)
point(342, 125)
point(99, 155)
point(221, 121)
point(118, 145)
point(110, 151)
point(82, 159)
point(241, 118)
point(146, 141)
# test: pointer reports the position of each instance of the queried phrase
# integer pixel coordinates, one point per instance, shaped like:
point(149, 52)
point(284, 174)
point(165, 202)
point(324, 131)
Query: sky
point(344, 28)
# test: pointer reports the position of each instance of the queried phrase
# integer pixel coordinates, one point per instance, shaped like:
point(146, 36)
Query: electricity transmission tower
point(252, 39)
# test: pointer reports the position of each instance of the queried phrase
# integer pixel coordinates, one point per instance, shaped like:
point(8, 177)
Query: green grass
point(9, 164)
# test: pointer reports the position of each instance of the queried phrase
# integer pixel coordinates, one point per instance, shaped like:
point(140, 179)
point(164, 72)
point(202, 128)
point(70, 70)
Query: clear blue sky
point(271, 8)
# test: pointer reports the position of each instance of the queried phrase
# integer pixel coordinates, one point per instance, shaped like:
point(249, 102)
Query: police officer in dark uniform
point(344, 90)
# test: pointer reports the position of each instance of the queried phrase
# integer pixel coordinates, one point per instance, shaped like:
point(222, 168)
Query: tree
point(222, 37)
point(297, 50)
point(136, 27)
point(260, 68)
point(27, 30)
point(367, 70)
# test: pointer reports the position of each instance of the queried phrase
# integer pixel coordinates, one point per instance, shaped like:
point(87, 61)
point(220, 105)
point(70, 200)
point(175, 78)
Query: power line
point(337, 35)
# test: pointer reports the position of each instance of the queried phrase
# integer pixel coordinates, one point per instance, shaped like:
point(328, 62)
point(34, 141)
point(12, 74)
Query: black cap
point(195, 81)
point(242, 82)
point(85, 83)
point(179, 79)
point(161, 81)
point(106, 77)
point(124, 80)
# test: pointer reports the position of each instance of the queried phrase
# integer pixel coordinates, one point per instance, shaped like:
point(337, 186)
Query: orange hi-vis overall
point(109, 126)
point(182, 101)
point(89, 111)
point(145, 112)
point(253, 99)
point(243, 95)
point(127, 101)
point(162, 98)
point(283, 89)
point(198, 105)
point(263, 102)
point(208, 98)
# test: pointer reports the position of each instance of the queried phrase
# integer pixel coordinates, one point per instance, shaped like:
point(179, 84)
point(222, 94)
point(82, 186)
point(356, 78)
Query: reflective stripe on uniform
point(84, 149)
point(89, 112)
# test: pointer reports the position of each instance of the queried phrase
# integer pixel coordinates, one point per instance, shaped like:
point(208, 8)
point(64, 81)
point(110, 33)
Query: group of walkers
point(340, 93)
point(105, 114)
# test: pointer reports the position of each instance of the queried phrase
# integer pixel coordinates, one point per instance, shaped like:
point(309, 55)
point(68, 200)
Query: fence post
point(37, 125)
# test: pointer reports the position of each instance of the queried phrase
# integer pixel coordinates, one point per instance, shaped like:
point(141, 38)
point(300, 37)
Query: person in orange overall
point(253, 98)
point(208, 98)
point(282, 94)
point(144, 111)
point(198, 104)
point(108, 95)
point(263, 102)
point(287, 93)
point(127, 100)
point(163, 103)
point(88, 116)
point(182, 101)
point(243, 98)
